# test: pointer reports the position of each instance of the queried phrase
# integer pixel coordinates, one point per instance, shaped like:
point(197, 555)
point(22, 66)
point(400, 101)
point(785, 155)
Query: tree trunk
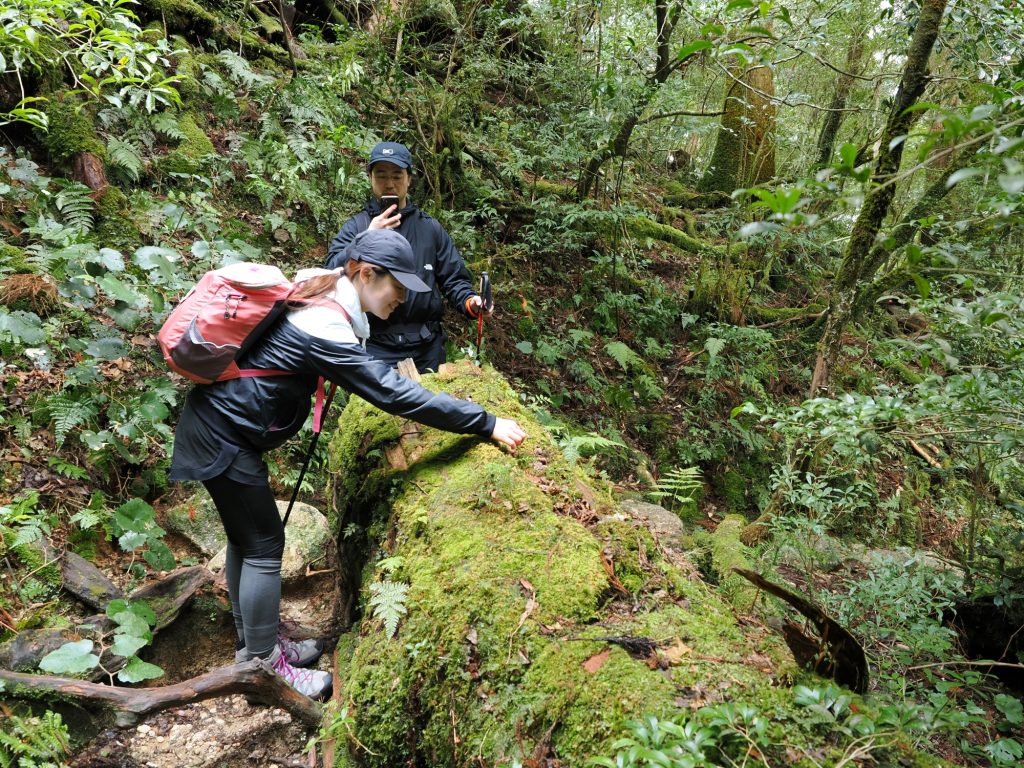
point(519, 640)
point(857, 267)
point(834, 117)
point(744, 152)
point(904, 232)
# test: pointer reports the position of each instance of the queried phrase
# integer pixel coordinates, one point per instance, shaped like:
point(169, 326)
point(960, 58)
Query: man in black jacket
point(414, 329)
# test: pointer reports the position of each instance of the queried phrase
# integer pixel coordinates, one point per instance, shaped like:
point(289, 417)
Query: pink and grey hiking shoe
point(308, 682)
point(299, 653)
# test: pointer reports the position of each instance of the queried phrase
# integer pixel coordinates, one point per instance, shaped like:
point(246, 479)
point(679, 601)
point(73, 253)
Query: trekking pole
point(486, 304)
point(319, 413)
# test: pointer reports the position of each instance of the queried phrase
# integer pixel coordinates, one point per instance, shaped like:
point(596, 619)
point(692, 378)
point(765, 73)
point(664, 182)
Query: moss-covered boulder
point(535, 618)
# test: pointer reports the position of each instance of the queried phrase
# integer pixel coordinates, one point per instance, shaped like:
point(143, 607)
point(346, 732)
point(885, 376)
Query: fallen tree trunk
point(517, 570)
point(255, 678)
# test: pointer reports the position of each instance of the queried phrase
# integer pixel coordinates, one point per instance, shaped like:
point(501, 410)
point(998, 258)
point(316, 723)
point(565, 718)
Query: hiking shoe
point(300, 653)
point(308, 682)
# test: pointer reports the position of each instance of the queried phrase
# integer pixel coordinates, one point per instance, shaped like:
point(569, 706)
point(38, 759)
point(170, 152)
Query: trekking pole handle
point(486, 294)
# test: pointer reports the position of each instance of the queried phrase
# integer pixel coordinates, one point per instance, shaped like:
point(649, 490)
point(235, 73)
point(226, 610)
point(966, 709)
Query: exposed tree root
point(255, 678)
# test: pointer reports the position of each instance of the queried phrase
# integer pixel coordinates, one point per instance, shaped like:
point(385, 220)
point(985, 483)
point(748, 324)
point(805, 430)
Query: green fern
point(387, 599)
point(75, 204)
point(67, 414)
point(126, 156)
point(241, 72)
point(166, 123)
point(678, 486)
point(623, 355)
point(574, 446)
point(36, 741)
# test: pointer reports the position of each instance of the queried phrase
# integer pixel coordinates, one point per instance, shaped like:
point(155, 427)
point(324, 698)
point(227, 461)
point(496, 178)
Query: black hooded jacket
point(227, 425)
point(439, 265)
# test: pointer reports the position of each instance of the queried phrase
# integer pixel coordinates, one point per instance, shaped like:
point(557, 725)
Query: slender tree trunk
point(666, 14)
point(904, 232)
point(834, 117)
point(858, 268)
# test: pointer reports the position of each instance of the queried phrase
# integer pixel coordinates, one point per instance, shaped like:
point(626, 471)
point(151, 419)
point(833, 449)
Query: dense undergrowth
point(654, 336)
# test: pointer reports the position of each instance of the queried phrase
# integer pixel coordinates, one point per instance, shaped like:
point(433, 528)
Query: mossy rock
point(512, 590)
point(187, 157)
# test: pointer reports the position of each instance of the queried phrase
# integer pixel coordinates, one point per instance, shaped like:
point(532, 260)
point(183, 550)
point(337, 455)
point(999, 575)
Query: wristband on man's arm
point(470, 309)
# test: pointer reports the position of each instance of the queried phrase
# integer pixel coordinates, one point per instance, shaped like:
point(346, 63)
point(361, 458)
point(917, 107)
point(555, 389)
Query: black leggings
point(250, 517)
point(253, 567)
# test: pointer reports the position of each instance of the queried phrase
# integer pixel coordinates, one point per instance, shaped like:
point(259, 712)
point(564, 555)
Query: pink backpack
point(220, 318)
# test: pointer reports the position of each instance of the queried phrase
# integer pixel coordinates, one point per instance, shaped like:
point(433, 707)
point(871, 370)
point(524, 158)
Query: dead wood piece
point(81, 578)
point(255, 678)
point(407, 368)
point(89, 169)
point(924, 454)
point(837, 654)
point(168, 595)
point(87, 582)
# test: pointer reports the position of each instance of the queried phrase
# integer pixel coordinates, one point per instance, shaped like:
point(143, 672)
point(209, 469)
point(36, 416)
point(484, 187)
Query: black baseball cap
point(386, 248)
point(390, 152)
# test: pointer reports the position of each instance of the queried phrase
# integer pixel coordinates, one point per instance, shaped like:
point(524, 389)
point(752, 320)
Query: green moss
point(640, 226)
point(114, 227)
point(14, 259)
point(728, 552)
point(71, 131)
point(502, 580)
point(187, 157)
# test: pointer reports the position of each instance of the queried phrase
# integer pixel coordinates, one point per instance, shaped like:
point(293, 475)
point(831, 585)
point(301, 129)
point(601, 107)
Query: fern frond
point(166, 123)
point(68, 413)
point(622, 354)
point(75, 204)
point(241, 72)
point(387, 599)
point(678, 484)
point(125, 156)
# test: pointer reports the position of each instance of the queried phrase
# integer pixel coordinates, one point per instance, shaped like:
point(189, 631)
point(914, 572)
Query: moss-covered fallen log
point(640, 226)
point(519, 570)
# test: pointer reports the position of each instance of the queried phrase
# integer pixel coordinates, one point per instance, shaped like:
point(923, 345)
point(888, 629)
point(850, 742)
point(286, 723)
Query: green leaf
point(1011, 708)
point(127, 645)
point(964, 173)
point(132, 540)
point(134, 515)
point(130, 623)
point(106, 348)
point(159, 556)
point(153, 407)
point(922, 285)
point(691, 48)
point(137, 670)
point(24, 327)
point(525, 347)
point(70, 659)
point(714, 346)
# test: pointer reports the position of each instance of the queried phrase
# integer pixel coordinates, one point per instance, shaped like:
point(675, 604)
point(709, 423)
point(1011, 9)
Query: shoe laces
point(294, 675)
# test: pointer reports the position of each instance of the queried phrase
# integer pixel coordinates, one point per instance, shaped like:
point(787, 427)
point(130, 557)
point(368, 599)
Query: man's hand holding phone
point(389, 218)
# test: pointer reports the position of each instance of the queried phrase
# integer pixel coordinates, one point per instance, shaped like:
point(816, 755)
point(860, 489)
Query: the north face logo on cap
point(387, 151)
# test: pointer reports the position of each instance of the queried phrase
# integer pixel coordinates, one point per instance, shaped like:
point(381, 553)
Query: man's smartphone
point(388, 200)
